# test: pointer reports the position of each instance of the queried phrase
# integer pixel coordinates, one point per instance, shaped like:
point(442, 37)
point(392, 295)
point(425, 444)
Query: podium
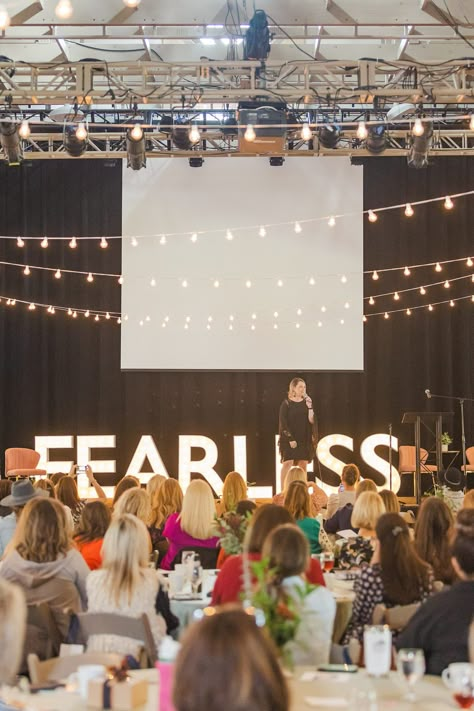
point(428, 420)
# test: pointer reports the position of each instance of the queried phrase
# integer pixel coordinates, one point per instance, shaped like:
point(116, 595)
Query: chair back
point(98, 623)
point(61, 597)
point(407, 457)
point(395, 617)
point(42, 636)
point(59, 668)
point(208, 556)
point(20, 458)
point(470, 455)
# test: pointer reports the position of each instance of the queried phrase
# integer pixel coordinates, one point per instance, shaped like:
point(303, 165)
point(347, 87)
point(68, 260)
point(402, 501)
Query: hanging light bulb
point(107, 315)
point(69, 312)
point(103, 243)
point(32, 307)
point(469, 261)
point(250, 134)
point(153, 282)
point(422, 290)
point(81, 132)
point(27, 271)
point(438, 267)
point(87, 313)
point(134, 242)
point(194, 134)
point(396, 296)
point(184, 284)
point(418, 128)
point(120, 280)
point(21, 243)
point(4, 18)
point(194, 237)
point(119, 320)
point(312, 281)
point(371, 301)
point(248, 283)
point(372, 216)
point(364, 318)
point(298, 228)
point(362, 132)
point(216, 284)
point(386, 315)
point(448, 203)
point(343, 279)
point(131, 3)
point(451, 303)
point(163, 239)
point(279, 282)
point(262, 231)
point(306, 132)
point(24, 131)
point(375, 275)
point(406, 271)
point(446, 284)
point(90, 277)
point(74, 314)
point(137, 132)
point(409, 211)
point(73, 243)
point(64, 9)
point(332, 221)
point(430, 308)
point(57, 274)
point(408, 312)
point(229, 236)
point(96, 317)
point(44, 242)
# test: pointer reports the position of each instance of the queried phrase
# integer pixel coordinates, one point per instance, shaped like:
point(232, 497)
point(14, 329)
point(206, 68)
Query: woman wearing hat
point(22, 492)
point(452, 482)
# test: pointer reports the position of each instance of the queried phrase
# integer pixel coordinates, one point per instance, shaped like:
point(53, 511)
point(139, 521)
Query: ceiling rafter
point(338, 12)
point(27, 13)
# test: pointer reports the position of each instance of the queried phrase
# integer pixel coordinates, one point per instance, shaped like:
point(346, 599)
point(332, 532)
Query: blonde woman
point(359, 550)
point(235, 490)
point(125, 585)
point(153, 487)
point(317, 495)
point(297, 428)
point(136, 502)
point(194, 526)
point(168, 500)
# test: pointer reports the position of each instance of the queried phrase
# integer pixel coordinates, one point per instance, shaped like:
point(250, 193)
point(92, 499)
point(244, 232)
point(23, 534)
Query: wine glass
point(411, 667)
point(196, 576)
point(328, 562)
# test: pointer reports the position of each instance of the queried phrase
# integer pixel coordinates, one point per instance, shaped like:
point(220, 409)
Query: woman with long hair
point(167, 500)
point(226, 662)
point(433, 531)
point(298, 503)
point(94, 522)
point(68, 495)
point(390, 501)
point(396, 575)
point(234, 490)
point(359, 550)
point(46, 485)
point(297, 428)
point(229, 584)
point(125, 584)
point(318, 497)
point(134, 501)
point(287, 551)
point(126, 483)
point(194, 526)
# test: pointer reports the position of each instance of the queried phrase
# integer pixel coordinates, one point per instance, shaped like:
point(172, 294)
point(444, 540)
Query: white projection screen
point(289, 300)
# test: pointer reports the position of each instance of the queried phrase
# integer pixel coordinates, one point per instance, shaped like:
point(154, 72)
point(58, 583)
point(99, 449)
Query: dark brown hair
point(297, 500)
point(287, 549)
point(57, 476)
point(128, 482)
point(264, 520)
point(350, 474)
point(245, 507)
point(463, 544)
point(404, 575)
point(227, 662)
point(67, 494)
point(95, 520)
point(433, 531)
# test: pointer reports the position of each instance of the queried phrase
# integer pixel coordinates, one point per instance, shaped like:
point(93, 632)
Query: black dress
point(295, 426)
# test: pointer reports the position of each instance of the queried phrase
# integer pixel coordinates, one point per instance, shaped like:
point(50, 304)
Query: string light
point(396, 296)
point(446, 284)
point(216, 284)
point(32, 307)
point(153, 282)
point(57, 274)
point(298, 228)
point(422, 290)
point(372, 216)
point(451, 303)
point(73, 243)
point(81, 132)
point(194, 237)
point(438, 267)
point(371, 301)
point(194, 134)
point(279, 282)
point(250, 134)
point(90, 277)
point(275, 314)
point(406, 271)
point(297, 325)
point(323, 309)
point(136, 133)
point(311, 281)
point(44, 242)
point(469, 262)
point(448, 203)
point(64, 9)
point(343, 279)
point(120, 280)
point(4, 18)
point(332, 221)
point(107, 316)
point(364, 318)
point(134, 242)
point(87, 313)
point(69, 312)
point(306, 133)
point(27, 271)
point(229, 236)
point(248, 283)
point(409, 211)
point(386, 315)
point(418, 128)
point(20, 242)
point(375, 276)
point(24, 131)
point(96, 317)
point(184, 284)
point(262, 231)
point(74, 314)
point(430, 307)
point(162, 239)
point(103, 243)
point(362, 132)
point(408, 312)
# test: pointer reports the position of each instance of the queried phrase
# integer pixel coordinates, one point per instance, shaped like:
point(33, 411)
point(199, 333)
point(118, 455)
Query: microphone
point(428, 394)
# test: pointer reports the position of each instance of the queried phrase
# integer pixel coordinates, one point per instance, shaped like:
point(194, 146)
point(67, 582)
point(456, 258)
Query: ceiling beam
point(27, 13)
point(338, 12)
point(402, 47)
point(122, 16)
point(445, 18)
point(317, 42)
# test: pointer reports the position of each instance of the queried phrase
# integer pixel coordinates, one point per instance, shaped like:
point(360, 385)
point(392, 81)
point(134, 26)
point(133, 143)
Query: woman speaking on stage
point(297, 428)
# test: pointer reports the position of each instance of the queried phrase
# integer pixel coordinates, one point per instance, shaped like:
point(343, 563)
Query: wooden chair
point(22, 462)
point(98, 623)
point(60, 668)
point(469, 460)
point(395, 617)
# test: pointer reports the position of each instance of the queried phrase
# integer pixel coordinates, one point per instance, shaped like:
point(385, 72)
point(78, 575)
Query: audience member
point(46, 485)
point(126, 483)
point(135, 501)
point(229, 584)
point(100, 493)
point(22, 491)
point(238, 521)
point(125, 584)
point(468, 502)
point(440, 627)
point(433, 532)
point(12, 630)
point(359, 549)
point(56, 477)
point(94, 522)
point(319, 498)
point(154, 484)
point(226, 662)
point(194, 526)
point(67, 494)
point(341, 519)
point(168, 500)
point(5, 490)
point(396, 575)
point(346, 495)
point(287, 550)
point(235, 490)
point(390, 501)
point(298, 503)
point(42, 559)
point(245, 507)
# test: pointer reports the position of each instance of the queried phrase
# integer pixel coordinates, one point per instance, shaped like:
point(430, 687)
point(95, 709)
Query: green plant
point(446, 438)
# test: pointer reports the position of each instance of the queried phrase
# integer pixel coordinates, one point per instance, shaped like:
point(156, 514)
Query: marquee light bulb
point(375, 275)
point(332, 221)
point(438, 267)
point(262, 231)
point(298, 228)
point(64, 9)
point(306, 132)
point(24, 131)
point(362, 132)
point(21, 243)
point(409, 211)
point(406, 271)
point(4, 18)
point(81, 132)
point(137, 132)
point(372, 216)
point(103, 243)
point(250, 134)
point(422, 290)
point(194, 134)
point(57, 274)
point(448, 203)
point(418, 128)
point(26, 271)
point(44, 242)
point(90, 277)
point(73, 243)
point(469, 262)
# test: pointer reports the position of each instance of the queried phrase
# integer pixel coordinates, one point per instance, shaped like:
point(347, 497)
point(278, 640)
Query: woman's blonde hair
point(297, 500)
point(294, 474)
point(46, 485)
point(169, 499)
point(468, 502)
point(293, 384)
point(198, 512)
point(391, 503)
point(42, 534)
point(365, 485)
point(136, 502)
point(367, 510)
point(153, 486)
point(235, 490)
point(125, 553)
point(12, 629)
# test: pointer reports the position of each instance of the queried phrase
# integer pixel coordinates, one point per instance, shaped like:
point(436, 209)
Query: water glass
point(377, 649)
point(459, 677)
point(411, 667)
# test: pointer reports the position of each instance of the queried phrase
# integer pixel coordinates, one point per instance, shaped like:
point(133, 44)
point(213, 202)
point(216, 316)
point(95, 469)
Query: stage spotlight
point(230, 126)
point(166, 124)
point(73, 145)
point(196, 162)
point(329, 136)
point(10, 141)
point(376, 139)
point(419, 148)
point(180, 136)
point(136, 151)
point(277, 160)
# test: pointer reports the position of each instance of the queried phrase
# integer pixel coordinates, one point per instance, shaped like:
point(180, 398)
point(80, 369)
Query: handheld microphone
point(428, 394)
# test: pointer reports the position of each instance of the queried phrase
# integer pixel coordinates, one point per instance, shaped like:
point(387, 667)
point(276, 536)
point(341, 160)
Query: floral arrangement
point(231, 529)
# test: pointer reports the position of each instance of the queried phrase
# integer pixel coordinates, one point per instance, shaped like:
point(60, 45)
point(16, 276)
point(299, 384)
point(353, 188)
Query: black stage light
point(74, 146)
point(376, 140)
point(196, 162)
point(229, 126)
point(10, 141)
point(258, 37)
point(136, 151)
point(329, 136)
point(277, 160)
point(420, 146)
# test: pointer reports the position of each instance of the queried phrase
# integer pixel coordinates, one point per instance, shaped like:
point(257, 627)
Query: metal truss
point(221, 83)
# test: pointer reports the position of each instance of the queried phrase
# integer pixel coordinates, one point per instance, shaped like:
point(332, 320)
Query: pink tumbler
point(165, 671)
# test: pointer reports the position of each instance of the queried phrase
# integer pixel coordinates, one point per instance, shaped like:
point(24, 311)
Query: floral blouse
point(355, 552)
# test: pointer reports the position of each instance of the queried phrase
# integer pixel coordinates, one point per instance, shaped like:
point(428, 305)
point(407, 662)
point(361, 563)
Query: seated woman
point(12, 631)
point(287, 551)
point(43, 561)
point(433, 532)
point(168, 500)
point(390, 501)
point(94, 522)
point(298, 503)
point(396, 575)
point(194, 526)
point(229, 585)
point(46, 485)
point(213, 674)
point(235, 490)
point(125, 584)
point(341, 519)
point(126, 483)
point(359, 550)
point(440, 627)
point(68, 495)
point(318, 497)
point(350, 477)
point(135, 501)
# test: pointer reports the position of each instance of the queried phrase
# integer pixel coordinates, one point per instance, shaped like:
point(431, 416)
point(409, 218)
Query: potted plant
point(446, 440)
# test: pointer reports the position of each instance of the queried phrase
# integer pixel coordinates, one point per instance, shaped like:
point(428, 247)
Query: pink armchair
point(22, 462)
point(470, 460)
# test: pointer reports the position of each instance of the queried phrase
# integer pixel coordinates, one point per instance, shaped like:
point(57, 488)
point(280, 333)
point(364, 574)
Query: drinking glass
point(187, 559)
point(196, 576)
point(328, 562)
point(377, 649)
point(411, 667)
point(459, 678)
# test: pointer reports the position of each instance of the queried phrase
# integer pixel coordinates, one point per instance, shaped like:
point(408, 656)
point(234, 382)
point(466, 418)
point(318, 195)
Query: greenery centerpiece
point(446, 440)
point(230, 529)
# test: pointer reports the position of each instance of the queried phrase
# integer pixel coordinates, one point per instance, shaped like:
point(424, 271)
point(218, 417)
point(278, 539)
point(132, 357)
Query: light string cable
point(445, 282)
point(95, 314)
point(408, 310)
